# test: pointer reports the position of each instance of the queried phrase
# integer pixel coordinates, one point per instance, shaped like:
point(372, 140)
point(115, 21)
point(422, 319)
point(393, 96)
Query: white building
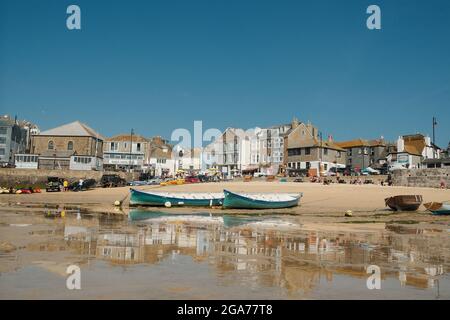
point(162, 163)
point(412, 150)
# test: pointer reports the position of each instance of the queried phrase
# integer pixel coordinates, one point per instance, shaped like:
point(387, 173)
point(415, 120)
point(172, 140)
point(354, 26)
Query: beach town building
point(188, 159)
point(229, 154)
point(13, 140)
point(306, 152)
point(73, 146)
point(126, 152)
point(412, 150)
point(267, 149)
point(362, 153)
point(162, 162)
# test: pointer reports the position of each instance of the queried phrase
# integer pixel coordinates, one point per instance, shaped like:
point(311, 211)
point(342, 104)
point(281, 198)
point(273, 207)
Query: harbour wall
point(10, 177)
point(429, 178)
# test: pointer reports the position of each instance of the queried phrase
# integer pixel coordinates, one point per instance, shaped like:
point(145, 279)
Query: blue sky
point(159, 65)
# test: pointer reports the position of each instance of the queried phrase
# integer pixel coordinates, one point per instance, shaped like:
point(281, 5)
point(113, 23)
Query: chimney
point(295, 123)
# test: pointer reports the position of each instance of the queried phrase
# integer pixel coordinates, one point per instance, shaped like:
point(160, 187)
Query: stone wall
point(24, 177)
point(431, 178)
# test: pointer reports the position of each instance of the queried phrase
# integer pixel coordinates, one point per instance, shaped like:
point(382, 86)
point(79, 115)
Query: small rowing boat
point(260, 200)
point(438, 208)
point(169, 199)
point(404, 202)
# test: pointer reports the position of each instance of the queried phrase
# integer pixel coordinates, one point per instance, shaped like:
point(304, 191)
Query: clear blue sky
point(160, 65)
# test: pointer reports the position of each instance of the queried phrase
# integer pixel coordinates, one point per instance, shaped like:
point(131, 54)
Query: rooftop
point(73, 129)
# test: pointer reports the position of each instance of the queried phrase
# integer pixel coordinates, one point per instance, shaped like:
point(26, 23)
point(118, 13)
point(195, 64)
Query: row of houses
point(290, 148)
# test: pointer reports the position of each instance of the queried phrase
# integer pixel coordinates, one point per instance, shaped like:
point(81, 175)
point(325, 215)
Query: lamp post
point(131, 148)
point(434, 137)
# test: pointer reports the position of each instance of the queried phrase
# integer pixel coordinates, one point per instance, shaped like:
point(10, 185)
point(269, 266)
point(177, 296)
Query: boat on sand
point(404, 202)
point(438, 208)
point(169, 199)
point(260, 200)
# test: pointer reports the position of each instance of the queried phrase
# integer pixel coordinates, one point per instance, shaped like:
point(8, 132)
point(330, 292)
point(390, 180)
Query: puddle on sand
point(201, 256)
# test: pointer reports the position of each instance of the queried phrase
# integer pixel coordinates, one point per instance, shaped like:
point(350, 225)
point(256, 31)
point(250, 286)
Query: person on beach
point(80, 184)
point(65, 185)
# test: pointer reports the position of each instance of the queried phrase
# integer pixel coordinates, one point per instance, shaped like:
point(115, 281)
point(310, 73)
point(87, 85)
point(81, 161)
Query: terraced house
point(13, 140)
point(127, 152)
point(362, 153)
point(306, 152)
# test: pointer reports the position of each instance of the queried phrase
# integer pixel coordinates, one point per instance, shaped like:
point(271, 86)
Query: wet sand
point(320, 203)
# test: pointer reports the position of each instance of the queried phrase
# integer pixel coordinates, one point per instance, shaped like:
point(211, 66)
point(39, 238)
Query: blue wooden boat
point(260, 200)
point(438, 208)
point(169, 199)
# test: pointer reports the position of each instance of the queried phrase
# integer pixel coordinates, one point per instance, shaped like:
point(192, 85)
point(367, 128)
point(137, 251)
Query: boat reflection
point(269, 251)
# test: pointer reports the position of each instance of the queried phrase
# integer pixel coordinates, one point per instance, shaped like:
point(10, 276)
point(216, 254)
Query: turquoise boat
point(169, 199)
point(438, 208)
point(260, 200)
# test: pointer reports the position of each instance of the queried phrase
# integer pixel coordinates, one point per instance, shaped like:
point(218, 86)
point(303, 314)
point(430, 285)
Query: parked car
point(259, 174)
point(332, 171)
point(154, 181)
point(112, 180)
point(396, 166)
point(191, 179)
point(87, 184)
point(369, 170)
point(54, 184)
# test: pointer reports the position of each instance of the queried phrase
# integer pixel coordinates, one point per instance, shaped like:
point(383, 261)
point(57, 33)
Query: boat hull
point(404, 202)
point(238, 201)
point(140, 198)
point(437, 208)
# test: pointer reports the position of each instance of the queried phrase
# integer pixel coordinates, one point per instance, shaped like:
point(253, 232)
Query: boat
point(438, 208)
point(169, 199)
point(404, 202)
point(260, 200)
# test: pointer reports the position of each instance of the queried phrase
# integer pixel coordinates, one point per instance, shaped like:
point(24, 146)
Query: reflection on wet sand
point(260, 252)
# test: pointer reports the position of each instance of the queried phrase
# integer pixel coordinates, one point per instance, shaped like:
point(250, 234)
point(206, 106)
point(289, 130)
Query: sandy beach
point(326, 203)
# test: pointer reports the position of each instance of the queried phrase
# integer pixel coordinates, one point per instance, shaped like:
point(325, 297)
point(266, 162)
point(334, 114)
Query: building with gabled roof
point(125, 152)
point(73, 146)
point(412, 150)
point(363, 153)
point(306, 152)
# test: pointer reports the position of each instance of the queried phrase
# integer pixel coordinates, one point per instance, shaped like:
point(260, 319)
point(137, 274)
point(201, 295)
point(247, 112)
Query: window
point(84, 160)
point(2, 151)
point(70, 145)
point(114, 146)
point(325, 151)
point(307, 151)
point(325, 166)
point(3, 130)
point(308, 165)
point(2, 140)
point(294, 152)
point(138, 147)
point(50, 145)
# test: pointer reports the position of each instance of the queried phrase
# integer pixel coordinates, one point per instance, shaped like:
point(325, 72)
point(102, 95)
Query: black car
point(87, 184)
point(54, 184)
point(112, 180)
